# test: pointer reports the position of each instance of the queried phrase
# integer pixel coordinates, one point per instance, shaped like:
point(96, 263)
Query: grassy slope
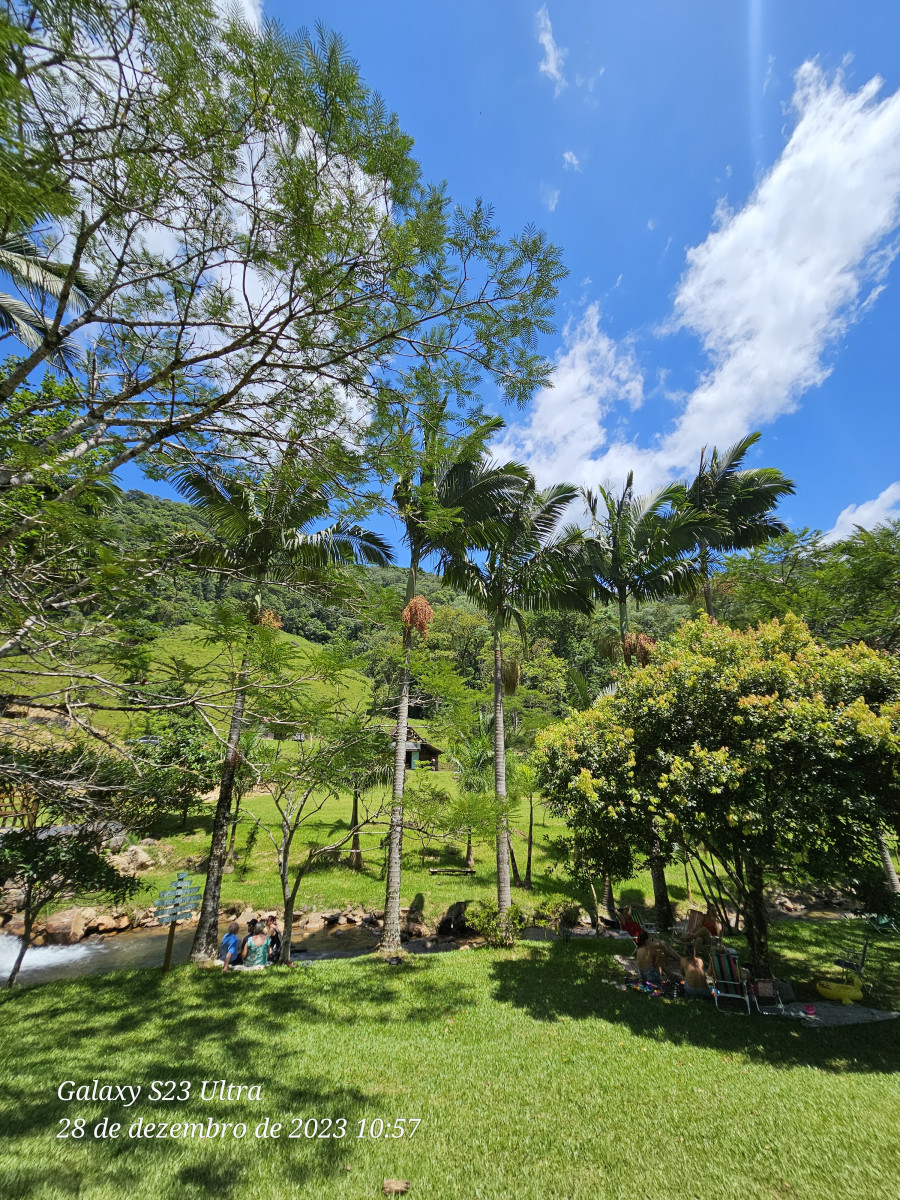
point(531, 1077)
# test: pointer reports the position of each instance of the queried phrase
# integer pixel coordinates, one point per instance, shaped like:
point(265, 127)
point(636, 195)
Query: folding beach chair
point(728, 982)
point(766, 997)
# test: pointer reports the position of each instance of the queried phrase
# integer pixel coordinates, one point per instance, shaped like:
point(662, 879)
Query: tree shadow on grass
point(565, 981)
point(141, 1026)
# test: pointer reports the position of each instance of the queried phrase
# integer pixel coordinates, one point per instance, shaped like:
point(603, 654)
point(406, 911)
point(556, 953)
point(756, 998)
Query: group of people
point(656, 960)
point(261, 945)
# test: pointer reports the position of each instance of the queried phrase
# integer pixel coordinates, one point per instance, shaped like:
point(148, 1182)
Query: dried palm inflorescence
point(510, 674)
point(639, 646)
point(418, 614)
point(269, 619)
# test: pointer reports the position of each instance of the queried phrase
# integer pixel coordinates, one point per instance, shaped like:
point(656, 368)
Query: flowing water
point(147, 947)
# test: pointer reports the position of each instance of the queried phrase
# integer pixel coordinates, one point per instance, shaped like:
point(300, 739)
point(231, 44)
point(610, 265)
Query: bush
point(497, 929)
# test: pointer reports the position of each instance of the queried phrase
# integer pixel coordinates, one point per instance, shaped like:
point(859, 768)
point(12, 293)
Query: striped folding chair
point(728, 982)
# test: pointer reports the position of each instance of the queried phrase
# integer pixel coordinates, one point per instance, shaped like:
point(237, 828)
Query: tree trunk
point(26, 940)
point(887, 862)
point(530, 841)
point(516, 877)
point(232, 835)
point(390, 938)
point(470, 852)
point(661, 902)
point(504, 896)
point(704, 575)
point(206, 939)
point(609, 900)
point(595, 908)
point(756, 920)
point(623, 624)
point(355, 848)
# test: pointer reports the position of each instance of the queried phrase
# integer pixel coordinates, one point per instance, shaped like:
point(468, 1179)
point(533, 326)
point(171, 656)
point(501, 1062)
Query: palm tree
point(40, 282)
point(530, 565)
point(640, 547)
point(446, 503)
point(261, 533)
point(739, 500)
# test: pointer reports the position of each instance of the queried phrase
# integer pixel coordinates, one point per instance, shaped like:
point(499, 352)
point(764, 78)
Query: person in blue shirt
point(230, 952)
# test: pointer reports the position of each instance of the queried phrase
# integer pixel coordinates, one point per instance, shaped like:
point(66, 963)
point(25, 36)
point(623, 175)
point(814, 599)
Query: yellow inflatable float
point(845, 992)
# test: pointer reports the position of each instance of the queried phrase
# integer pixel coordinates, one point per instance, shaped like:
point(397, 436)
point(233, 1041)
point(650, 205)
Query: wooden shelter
point(418, 750)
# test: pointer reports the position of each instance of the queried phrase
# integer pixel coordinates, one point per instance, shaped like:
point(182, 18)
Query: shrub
point(497, 929)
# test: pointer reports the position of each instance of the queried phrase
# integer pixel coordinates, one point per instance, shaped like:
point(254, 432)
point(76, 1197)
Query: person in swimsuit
point(695, 983)
point(654, 958)
point(274, 937)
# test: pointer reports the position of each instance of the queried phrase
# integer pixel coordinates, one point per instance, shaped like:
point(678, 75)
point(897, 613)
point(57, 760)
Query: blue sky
point(724, 181)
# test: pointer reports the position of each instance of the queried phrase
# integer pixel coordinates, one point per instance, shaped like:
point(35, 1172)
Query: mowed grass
point(531, 1077)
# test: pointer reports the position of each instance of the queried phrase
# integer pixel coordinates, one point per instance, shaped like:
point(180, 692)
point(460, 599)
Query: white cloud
point(769, 293)
point(884, 507)
point(651, 224)
point(571, 161)
point(565, 429)
point(551, 64)
point(550, 196)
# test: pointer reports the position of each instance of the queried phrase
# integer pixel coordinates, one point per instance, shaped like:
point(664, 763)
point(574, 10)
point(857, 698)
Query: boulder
point(332, 918)
point(64, 928)
point(149, 841)
point(11, 899)
point(140, 859)
point(122, 864)
point(313, 923)
point(122, 923)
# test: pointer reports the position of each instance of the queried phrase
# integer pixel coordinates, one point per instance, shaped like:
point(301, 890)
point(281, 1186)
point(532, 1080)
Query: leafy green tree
point(768, 751)
point(262, 534)
point(740, 502)
point(229, 304)
point(530, 564)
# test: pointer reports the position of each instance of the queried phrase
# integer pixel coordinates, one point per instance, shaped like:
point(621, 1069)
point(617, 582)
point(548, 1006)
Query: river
point(146, 948)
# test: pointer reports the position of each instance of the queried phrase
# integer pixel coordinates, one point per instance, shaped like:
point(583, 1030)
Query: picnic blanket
point(830, 1013)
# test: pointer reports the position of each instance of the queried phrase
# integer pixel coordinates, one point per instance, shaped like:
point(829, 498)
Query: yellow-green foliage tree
point(773, 753)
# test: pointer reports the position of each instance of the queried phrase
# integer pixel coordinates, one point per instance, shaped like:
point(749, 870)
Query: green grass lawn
point(530, 1076)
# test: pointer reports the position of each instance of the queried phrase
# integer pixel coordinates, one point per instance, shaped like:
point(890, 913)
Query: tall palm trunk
point(623, 621)
point(355, 848)
point(504, 896)
point(704, 575)
point(206, 939)
point(390, 939)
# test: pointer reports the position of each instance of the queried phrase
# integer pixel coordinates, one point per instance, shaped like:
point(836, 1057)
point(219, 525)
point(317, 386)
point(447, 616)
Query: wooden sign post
point(175, 904)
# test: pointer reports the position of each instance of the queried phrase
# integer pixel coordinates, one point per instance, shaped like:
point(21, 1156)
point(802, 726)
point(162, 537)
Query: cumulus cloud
point(571, 161)
point(651, 223)
point(551, 64)
point(566, 428)
point(884, 507)
point(771, 290)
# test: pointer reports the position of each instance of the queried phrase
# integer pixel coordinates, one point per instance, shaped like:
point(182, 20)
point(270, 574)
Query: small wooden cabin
point(418, 750)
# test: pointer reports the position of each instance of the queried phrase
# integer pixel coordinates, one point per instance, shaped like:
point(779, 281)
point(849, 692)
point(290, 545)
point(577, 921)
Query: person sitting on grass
point(256, 949)
point(695, 983)
point(654, 958)
point(230, 951)
point(274, 937)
